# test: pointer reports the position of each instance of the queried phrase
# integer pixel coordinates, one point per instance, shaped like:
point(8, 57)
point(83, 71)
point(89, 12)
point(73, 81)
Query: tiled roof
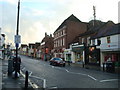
point(112, 30)
point(94, 29)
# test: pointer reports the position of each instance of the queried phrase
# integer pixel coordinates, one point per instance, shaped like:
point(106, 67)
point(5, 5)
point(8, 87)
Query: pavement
point(8, 81)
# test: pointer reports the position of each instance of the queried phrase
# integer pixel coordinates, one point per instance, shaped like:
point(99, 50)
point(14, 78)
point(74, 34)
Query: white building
point(2, 43)
point(110, 44)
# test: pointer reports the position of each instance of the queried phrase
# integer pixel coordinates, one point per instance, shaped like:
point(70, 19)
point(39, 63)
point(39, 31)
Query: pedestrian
point(16, 66)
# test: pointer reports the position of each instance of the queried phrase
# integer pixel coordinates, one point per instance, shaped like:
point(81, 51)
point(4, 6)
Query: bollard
point(26, 79)
point(83, 65)
point(103, 67)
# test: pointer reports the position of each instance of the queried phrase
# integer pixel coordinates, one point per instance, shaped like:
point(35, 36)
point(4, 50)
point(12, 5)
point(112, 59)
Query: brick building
point(65, 34)
point(46, 47)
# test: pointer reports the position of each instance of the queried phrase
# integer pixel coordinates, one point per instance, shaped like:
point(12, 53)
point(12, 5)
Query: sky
point(40, 16)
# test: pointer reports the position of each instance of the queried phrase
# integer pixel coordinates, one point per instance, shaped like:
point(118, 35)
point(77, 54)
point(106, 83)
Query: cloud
point(40, 16)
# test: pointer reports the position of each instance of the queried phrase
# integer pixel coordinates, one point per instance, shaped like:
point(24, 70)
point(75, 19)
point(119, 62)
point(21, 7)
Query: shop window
point(83, 40)
point(93, 42)
point(108, 39)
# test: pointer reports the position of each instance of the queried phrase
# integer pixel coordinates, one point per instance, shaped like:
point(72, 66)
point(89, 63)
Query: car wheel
point(50, 63)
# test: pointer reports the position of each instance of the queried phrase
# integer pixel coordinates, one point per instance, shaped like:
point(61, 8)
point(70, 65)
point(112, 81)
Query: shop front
point(94, 56)
point(113, 56)
point(67, 55)
point(79, 53)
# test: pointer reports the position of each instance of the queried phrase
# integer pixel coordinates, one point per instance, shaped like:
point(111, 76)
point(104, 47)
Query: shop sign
point(67, 51)
point(78, 49)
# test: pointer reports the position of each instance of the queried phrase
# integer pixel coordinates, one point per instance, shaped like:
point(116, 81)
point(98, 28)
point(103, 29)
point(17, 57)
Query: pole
point(26, 79)
point(17, 31)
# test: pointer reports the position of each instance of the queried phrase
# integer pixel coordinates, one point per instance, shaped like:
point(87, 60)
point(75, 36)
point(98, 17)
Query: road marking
point(92, 77)
point(108, 80)
point(53, 87)
point(44, 83)
point(76, 73)
point(33, 85)
point(66, 70)
point(23, 68)
point(30, 74)
point(44, 80)
point(53, 67)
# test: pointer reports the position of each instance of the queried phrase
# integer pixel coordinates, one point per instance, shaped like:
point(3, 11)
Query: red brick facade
point(66, 33)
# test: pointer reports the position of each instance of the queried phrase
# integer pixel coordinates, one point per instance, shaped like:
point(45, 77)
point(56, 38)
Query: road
point(43, 74)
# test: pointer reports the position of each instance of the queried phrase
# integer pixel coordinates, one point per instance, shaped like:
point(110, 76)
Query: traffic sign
point(17, 39)
point(17, 45)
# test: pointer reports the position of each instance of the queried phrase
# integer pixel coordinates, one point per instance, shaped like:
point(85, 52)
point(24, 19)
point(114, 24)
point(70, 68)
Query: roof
point(70, 18)
point(3, 35)
point(112, 30)
point(94, 29)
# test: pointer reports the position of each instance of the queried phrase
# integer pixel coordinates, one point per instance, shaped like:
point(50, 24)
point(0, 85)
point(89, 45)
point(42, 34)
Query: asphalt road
point(43, 74)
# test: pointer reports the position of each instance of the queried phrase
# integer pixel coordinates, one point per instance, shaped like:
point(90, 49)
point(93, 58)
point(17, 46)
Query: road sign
point(17, 45)
point(17, 39)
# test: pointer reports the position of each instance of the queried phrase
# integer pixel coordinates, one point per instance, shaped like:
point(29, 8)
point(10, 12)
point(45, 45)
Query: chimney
point(45, 34)
point(50, 35)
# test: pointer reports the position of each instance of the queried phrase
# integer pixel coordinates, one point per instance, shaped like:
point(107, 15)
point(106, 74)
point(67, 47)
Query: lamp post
point(17, 31)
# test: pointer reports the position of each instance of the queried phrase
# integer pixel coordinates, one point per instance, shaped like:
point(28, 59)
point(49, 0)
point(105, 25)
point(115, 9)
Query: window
point(63, 41)
point(88, 41)
point(93, 42)
point(63, 32)
point(82, 40)
point(58, 43)
point(108, 39)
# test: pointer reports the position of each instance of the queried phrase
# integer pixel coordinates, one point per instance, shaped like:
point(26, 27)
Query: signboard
point(17, 45)
point(17, 39)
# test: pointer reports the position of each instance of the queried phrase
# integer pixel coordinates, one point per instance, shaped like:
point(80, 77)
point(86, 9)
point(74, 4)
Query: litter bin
point(110, 67)
point(10, 67)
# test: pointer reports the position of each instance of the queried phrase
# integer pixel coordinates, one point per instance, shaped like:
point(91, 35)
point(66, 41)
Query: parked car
point(57, 62)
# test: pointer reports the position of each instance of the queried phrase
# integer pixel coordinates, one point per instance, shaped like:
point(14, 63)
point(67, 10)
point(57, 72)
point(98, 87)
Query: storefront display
point(94, 56)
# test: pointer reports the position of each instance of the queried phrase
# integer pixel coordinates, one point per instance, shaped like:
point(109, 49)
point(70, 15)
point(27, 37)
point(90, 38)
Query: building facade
point(2, 45)
point(47, 47)
point(86, 51)
point(65, 34)
point(23, 49)
point(110, 44)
